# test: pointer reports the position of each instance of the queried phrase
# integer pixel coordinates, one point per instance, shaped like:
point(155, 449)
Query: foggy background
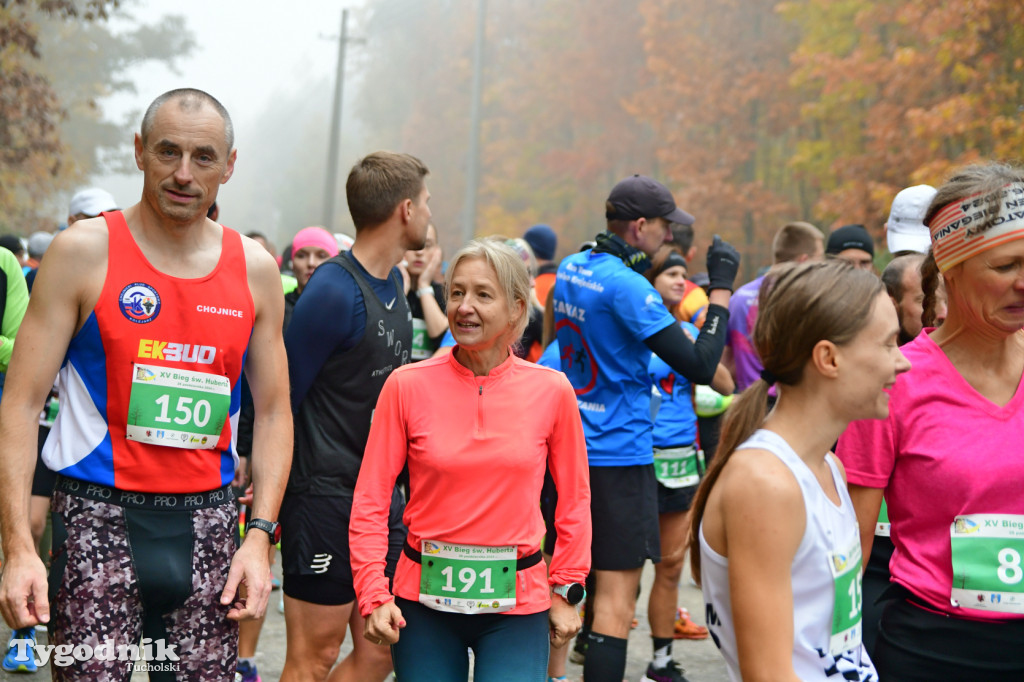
point(754, 112)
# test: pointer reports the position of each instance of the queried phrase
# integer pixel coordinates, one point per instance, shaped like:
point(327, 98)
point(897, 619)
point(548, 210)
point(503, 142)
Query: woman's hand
point(430, 268)
point(565, 621)
point(383, 623)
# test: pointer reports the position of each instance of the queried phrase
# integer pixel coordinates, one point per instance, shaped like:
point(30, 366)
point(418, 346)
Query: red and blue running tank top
point(150, 386)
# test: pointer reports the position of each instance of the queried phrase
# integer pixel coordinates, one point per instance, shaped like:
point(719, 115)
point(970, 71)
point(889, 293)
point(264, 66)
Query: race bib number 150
point(177, 408)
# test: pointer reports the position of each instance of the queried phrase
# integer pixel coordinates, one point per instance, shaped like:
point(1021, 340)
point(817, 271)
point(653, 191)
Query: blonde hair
point(510, 271)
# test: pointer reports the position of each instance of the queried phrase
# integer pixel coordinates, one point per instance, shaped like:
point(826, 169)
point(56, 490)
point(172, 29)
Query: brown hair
point(799, 305)
point(379, 182)
point(548, 331)
point(794, 240)
point(659, 264)
point(930, 278)
point(892, 276)
point(985, 179)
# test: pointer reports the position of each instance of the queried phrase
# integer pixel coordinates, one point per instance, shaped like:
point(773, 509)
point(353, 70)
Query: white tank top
point(831, 539)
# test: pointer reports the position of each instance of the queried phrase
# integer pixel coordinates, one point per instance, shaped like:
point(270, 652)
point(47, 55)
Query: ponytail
point(930, 287)
point(745, 416)
point(799, 305)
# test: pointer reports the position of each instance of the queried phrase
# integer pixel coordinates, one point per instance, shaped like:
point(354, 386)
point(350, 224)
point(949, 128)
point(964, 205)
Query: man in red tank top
point(149, 315)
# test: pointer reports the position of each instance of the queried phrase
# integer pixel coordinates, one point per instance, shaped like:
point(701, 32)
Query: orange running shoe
point(686, 628)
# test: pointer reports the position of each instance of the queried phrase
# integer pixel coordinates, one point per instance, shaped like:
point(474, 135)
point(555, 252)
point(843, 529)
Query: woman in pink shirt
point(477, 428)
point(948, 459)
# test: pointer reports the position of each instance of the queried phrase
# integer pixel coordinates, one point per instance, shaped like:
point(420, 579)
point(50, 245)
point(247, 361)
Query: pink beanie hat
point(315, 236)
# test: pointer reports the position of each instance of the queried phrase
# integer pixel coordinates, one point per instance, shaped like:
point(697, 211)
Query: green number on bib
point(855, 597)
point(198, 416)
point(676, 467)
point(1009, 566)
point(467, 578)
point(177, 408)
point(846, 610)
point(986, 552)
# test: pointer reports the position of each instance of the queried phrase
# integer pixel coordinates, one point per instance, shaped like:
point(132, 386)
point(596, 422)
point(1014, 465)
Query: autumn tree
point(87, 62)
point(412, 94)
point(556, 133)
point(718, 97)
point(52, 131)
point(900, 92)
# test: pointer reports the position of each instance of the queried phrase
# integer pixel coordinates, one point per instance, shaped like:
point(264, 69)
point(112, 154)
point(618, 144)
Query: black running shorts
point(624, 513)
point(314, 547)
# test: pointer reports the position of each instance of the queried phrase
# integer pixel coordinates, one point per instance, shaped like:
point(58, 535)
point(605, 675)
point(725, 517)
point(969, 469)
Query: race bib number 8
point(177, 408)
point(987, 569)
point(846, 610)
point(467, 578)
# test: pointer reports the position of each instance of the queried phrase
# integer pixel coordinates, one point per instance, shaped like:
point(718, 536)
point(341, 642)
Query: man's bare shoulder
point(264, 277)
point(257, 259)
point(85, 243)
point(85, 231)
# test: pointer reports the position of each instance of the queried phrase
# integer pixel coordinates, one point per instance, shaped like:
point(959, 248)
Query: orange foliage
point(914, 89)
point(754, 112)
point(718, 100)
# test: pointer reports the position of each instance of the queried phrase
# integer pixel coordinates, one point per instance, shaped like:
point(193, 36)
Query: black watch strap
point(271, 528)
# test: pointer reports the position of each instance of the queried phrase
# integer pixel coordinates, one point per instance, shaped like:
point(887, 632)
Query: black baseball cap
point(850, 237)
point(643, 197)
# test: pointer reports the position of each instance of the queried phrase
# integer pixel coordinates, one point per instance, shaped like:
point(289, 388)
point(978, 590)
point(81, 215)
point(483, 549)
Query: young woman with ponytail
point(773, 529)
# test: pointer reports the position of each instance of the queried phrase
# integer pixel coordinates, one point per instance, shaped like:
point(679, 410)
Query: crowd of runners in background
point(481, 453)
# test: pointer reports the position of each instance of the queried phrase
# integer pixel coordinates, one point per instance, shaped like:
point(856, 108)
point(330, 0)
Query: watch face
point(575, 593)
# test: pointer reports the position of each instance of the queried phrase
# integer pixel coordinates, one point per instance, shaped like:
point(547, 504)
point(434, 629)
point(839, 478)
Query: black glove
point(723, 262)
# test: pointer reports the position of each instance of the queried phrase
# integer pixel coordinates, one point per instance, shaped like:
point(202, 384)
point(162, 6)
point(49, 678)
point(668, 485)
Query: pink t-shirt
point(944, 450)
point(477, 447)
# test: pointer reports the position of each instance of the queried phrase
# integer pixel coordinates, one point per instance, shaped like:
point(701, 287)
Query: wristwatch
point(271, 528)
point(573, 593)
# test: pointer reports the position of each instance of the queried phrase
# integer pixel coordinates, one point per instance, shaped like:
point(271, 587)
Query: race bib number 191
point(467, 578)
point(176, 407)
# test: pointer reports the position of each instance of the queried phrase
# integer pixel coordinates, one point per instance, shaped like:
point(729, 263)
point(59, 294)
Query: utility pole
point(473, 162)
point(331, 184)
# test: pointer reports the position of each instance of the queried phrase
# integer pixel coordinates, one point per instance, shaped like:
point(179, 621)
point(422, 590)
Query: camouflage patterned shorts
point(121, 574)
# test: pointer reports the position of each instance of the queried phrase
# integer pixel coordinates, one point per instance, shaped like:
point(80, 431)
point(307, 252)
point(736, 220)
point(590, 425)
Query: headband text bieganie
point(975, 224)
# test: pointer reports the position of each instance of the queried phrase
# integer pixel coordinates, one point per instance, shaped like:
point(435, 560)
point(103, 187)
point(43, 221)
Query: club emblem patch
point(140, 303)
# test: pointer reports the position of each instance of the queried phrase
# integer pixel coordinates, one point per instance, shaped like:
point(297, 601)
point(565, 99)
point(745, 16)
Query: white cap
point(91, 202)
point(38, 242)
point(906, 230)
point(345, 242)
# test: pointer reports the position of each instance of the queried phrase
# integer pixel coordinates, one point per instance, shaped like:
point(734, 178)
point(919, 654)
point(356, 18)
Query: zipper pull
point(481, 389)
